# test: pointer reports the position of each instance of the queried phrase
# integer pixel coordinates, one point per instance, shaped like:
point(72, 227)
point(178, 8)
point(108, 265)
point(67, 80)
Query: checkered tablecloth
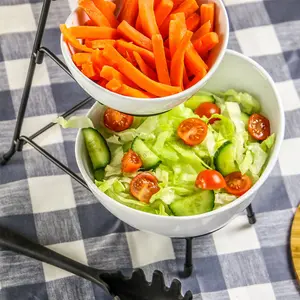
point(239, 262)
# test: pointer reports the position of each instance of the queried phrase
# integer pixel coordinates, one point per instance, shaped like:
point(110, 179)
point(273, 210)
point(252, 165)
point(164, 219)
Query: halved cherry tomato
point(210, 180)
point(208, 109)
point(131, 162)
point(143, 186)
point(192, 131)
point(259, 127)
point(237, 184)
point(117, 121)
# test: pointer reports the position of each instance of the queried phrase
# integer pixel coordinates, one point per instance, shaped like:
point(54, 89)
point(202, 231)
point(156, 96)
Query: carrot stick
point(93, 32)
point(105, 8)
point(112, 6)
point(129, 12)
point(98, 60)
point(146, 54)
point(177, 30)
point(177, 3)
point(130, 33)
point(156, 2)
point(72, 39)
point(193, 21)
point(193, 60)
point(89, 23)
point(125, 90)
point(110, 73)
point(147, 16)
point(80, 58)
point(177, 63)
point(94, 13)
point(160, 59)
point(201, 73)
point(207, 13)
point(204, 29)
point(99, 43)
point(162, 11)
point(138, 24)
point(144, 67)
point(144, 82)
point(206, 43)
point(130, 58)
point(210, 59)
point(103, 82)
point(168, 53)
point(89, 71)
point(185, 78)
point(188, 7)
point(114, 85)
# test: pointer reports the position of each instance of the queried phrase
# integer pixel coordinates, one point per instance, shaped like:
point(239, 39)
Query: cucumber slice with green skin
point(196, 100)
point(224, 159)
point(99, 174)
point(97, 148)
point(157, 203)
point(245, 119)
point(150, 160)
point(196, 204)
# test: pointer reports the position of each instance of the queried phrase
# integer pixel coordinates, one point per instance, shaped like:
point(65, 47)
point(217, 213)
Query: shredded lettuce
point(75, 122)
point(181, 164)
point(248, 103)
point(246, 163)
point(259, 158)
point(224, 126)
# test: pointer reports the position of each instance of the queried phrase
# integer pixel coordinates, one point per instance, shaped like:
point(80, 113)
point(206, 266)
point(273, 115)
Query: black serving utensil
point(114, 283)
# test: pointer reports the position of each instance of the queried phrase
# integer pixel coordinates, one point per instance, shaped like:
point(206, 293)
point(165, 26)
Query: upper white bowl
point(141, 106)
point(238, 72)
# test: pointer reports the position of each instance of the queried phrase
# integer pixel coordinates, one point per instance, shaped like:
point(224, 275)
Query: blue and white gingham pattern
point(239, 262)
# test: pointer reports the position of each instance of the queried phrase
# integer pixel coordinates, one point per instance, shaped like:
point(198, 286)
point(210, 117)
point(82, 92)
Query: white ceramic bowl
point(140, 106)
point(238, 72)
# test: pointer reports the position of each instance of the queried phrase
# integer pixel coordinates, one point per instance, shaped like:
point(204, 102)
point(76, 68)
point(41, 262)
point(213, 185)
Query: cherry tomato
point(117, 121)
point(237, 184)
point(192, 131)
point(210, 180)
point(143, 186)
point(259, 127)
point(131, 162)
point(208, 109)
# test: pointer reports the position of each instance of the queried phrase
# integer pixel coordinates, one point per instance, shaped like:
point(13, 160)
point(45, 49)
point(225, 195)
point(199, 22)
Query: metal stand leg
point(24, 100)
point(188, 265)
point(251, 215)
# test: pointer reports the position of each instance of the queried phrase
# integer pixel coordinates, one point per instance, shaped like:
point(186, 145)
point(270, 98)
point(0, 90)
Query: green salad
point(196, 158)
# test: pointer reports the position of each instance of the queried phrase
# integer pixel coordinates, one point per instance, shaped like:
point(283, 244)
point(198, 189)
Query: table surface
point(239, 262)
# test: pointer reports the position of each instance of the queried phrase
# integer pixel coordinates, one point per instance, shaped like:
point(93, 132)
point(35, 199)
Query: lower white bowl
point(238, 72)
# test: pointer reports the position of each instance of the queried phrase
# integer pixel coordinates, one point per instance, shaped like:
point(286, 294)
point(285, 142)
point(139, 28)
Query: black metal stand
point(18, 140)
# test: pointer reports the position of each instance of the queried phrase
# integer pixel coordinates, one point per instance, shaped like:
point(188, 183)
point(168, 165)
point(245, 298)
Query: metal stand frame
point(18, 140)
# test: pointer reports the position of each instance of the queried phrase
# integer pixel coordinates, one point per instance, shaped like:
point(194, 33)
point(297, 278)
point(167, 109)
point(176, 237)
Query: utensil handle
point(22, 245)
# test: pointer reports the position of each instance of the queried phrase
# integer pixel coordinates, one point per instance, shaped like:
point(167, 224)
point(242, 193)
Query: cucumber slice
point(198, 99)
point(97, 148)
point(157, 203)
point(196, 204)
point(224, 159)
point(245, 119)
point(150, 160)
point(99, 174)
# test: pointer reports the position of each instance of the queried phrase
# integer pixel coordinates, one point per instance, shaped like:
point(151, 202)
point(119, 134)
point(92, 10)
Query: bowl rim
point(185, 93)
point(271, 163)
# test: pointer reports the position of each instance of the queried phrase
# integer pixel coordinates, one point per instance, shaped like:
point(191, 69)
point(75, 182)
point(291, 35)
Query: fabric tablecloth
point(239, 262)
